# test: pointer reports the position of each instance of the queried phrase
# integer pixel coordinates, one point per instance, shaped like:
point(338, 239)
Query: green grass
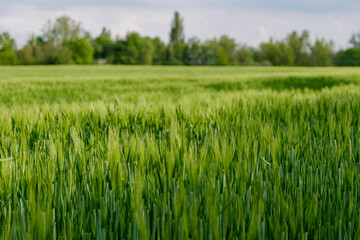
point(179, 153)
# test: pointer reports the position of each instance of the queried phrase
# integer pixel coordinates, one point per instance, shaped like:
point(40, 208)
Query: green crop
point(179, 153)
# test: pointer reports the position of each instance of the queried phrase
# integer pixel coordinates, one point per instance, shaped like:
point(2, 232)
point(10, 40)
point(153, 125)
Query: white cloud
point(249, 26)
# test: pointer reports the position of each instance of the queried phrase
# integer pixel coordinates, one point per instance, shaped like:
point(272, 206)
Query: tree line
point(64, 41)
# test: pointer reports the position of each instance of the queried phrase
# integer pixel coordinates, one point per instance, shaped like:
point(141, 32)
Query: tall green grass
point(179, 153)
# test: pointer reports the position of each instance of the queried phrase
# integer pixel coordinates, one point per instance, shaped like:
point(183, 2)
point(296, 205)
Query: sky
point(248, 21)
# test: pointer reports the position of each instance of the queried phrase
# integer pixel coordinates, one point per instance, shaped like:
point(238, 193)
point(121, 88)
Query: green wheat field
point(120, 152)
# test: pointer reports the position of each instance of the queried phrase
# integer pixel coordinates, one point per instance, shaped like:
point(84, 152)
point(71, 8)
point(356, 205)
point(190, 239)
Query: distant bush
point(349, 57)
point(7, 50)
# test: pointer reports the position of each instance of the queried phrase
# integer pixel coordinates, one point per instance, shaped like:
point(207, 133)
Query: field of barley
point(120, 152)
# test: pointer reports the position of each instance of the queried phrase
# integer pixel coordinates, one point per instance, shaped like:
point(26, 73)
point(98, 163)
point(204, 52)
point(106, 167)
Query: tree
point(61, 42)
point(351, 56)
point(104, 46)
point(209, 51)
point(245, 55)
point(119, 51)
point(214, 54)
point(159, 54)
point(355, 40)
point(177, 29)
point(221, 58)
point(348, 57)
point(177, 47)
point(7, 50)
point(60, 54)
point(37, 51)
point(63, 29)
point(82, 51)
point(321, 53)
point(287, 56)
point(300, 45)
point(277, 53)
point(131, 53)
point(146, 51)
point(26, 55)
point(176, 53)
point(64, 41)
point(193, 52)
point(134, 50)
point(227, 46)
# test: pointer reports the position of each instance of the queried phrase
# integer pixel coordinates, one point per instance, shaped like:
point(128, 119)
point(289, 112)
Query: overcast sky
point(248, 21)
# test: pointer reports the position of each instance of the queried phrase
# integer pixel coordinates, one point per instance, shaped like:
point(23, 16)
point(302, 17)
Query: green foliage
point(228, 46)
point(7, 47)
point(348, 57)
point(146, 51)
point(221, 52)
point(300, 46)
point(204, 153)
point(81, 50)
point(26, 55)
point(135, 50)
point(33, 52)
point(64, 41)
point(177, 29)
point(176, 49)
point(176, 53)
point(221, 58)
point(159, 54)
point(104, 46)
point(61, 54)
point(355, 40)
point(210, 53)
point(278, 53)
point(246, 56)
point(63, 29)
point(194, 52)
point(321, 53)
